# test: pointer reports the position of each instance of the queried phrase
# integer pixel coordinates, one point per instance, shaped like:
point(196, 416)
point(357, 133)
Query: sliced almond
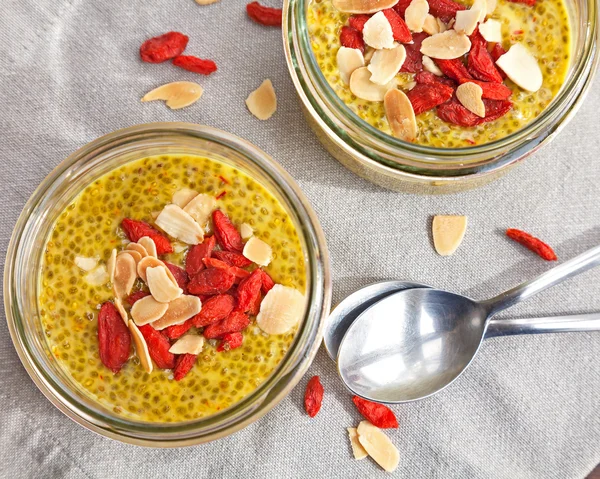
point(161, 286)
point(262, 102)
point(110, 265)
point(442, 26)
point(137, 248)
point(469, 94)
point(183, 197)
point(363, 6)
point(257, 251)
point(85, 264)
point(416, 14)
point(400, 115)
point(369, 52)
point(377, 32)
point(125, 275)
point(362, 86)
point(521, 67)
point(378, 446)
point(121, 310)
point(149, 245)
point(480, 5)
point(147, 310)
point(466, 21)
point(491, 6)
point(145, 263)
point(246, 231)
point(491, 31)
point(200, 208)
point(430, 66)
point(136, 256)
point(348, 60)
point(141, 348)
point(281, 309)
point(448, 233)
point(188, 344)
point(385, 64)
point(357, 450)
point(179, 310)
point(446, 46)
point(431, 26)
point(98, 276)
point(180, 225)
point(178, 94)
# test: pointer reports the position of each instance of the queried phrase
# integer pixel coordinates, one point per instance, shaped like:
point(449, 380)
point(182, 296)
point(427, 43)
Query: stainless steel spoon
point(414, 343)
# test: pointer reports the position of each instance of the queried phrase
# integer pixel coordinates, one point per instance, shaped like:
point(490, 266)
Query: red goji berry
point(493, 91)
point(158, 347)
point(351, 38)
point(236, 321)
point(496, 53)
point(211, 281)
point(193, 260)
point(230, 341)
point(313, 396)
point(179, 274)
point(429, 78)
point(183, 365)
point(271, 17)
point(240, 274)
point(532, 243)
point(454, 69)
point(133, 297)
point(114, 340)
point(481, 63)
point(178, 330)
point(377, 414)
point(255, 307)
point(453, 112)
point(400, 30)
point(137, 229)
point(425, 97)
point(227, 235)
point(248, 290)
point(267, 282)
point(195, 64)
point(401, 7)
point(358, 21)
point(495, 109)
point(414, 58)
point(216, 263)
point(214, 309)
point(444, 9)
point(164, 47)
point(233, 259)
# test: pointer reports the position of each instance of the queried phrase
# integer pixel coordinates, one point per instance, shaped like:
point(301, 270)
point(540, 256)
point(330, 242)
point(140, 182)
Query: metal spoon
point(414, 343)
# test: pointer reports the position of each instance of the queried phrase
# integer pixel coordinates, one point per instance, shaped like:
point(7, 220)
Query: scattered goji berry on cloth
point(211, 281)
point(400, 30)
point(158, 347)
point(133, 297)
point(313, 397)
point(267, 282)
point(233, 259)
point(179, 274)
point(164, 47)
point(178, 330)
point(236, 321)
point(351, 38)
point(230, 341)
point(248, 290)
point(481, 63)
point(227, 235)
point(377, 414)
point(214, 309)
point(195, 64)
point(444, 9)
point(358, 21)
point(137, 229)
point(454, 69)
point(414, 58)
point(532, 243)
point(183, 365)
point(193, 260)
point(114, 340)
point(425, 97)
point(271, 17)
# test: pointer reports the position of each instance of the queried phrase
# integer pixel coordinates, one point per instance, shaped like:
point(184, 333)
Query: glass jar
point(25, 251)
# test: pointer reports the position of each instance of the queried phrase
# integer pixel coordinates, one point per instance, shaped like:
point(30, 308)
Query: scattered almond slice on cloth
point(378, 446)
point(281, 309)
point(377, 32)
point(98, 276)
point(446, 46)
point(206, 2)
point(110, 265)
point(521, 67)
point(180, 225)
point(246, 231)
point(200, 208)
point(491, 31)
point(348, 60)
point(121, 310)
point(480, 5)
point(362, 86)
point(257, 251)
point(363, 6)
point(125, 275)
point(416, 15)
point(141, 348)
point(466, 21)
point(262, 102)
point(138, 248)
point(431, 25)
point(85, 264)
point(148, 244)
point(357, 450)
point(386, 63)
point(179, 310)
point(182, 197)
point(177, 95)
point(147, 310)
point(188, 344)
point(430, 66)
point(161, 286)
point(469, 94)
point(400, 115)
point(448, 233)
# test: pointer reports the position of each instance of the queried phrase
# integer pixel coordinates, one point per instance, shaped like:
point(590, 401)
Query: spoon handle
point(577, 265)
point(555, 324)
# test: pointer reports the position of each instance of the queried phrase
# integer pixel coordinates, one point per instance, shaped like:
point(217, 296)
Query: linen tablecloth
point(527, 408)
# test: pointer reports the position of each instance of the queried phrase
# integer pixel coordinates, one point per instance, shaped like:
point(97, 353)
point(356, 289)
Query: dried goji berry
point(230, 341)
point(158, 347)
point(214, 309)
point(211, 281)
point(248, 290)
point(179, 274)
point(267, 282)
point(493, 91)
point(183, 365)
point(135, 230)
point(358, 21)
point(496, 53)
point(313, 396)
point(400, 30)
point(401, 7)
point(133, 297)
point(444, 9)
point(255, 307)
point(495, 109)
point(163, 47)
point(414, 58)
point(195, 64)
point(193, 260)
point(429, 78)
point(114, 340)
point(481, 63)
point(233, 259)
point(454, 69)
point(425, 97)
point(271, 17)
point(453, 112)
point(227, 235)
point(236, 321)
point(215, 263)
point(240, 274)
point(377, 414)
point(178, 330)
point(351, 38)
point(532, 243)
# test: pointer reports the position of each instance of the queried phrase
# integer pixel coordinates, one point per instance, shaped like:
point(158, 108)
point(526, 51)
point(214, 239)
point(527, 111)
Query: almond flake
point(448, 233)
point(491, 31)
point(369, 52)
point(363, 6)
point(378, 446)
point(246, 231)
point(430, 66)
point(469, 94)
point(149, 245)
point(98, 276)
point(121, 310)
point(179, 311)
point(262, 102)
point(348, 60)
point(147, 310)
point(178, 94)
point(110, 265)
point(442, 26)
point(188, 344)
point(200, 208)
point(466, 21)
point(125, 275)
point(141, 348)
point(152, 262)
point(362, 86)
point(161, 286)
point(416, 14)
point(377, 32)
point(86, 264)
point(431, 25)
point(480, 5)
point(521, 67)
point(357, 450)
point(386, 63)
point(400, 115)
point(257, 251)
point(446, 46)
point(183, 197)
point(137, 248)
point(281, 309)
point(491, 6)
point(136, 256)
point(180, 225)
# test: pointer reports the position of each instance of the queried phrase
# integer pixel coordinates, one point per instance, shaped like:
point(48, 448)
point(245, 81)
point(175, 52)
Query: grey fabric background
point(527, 408)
